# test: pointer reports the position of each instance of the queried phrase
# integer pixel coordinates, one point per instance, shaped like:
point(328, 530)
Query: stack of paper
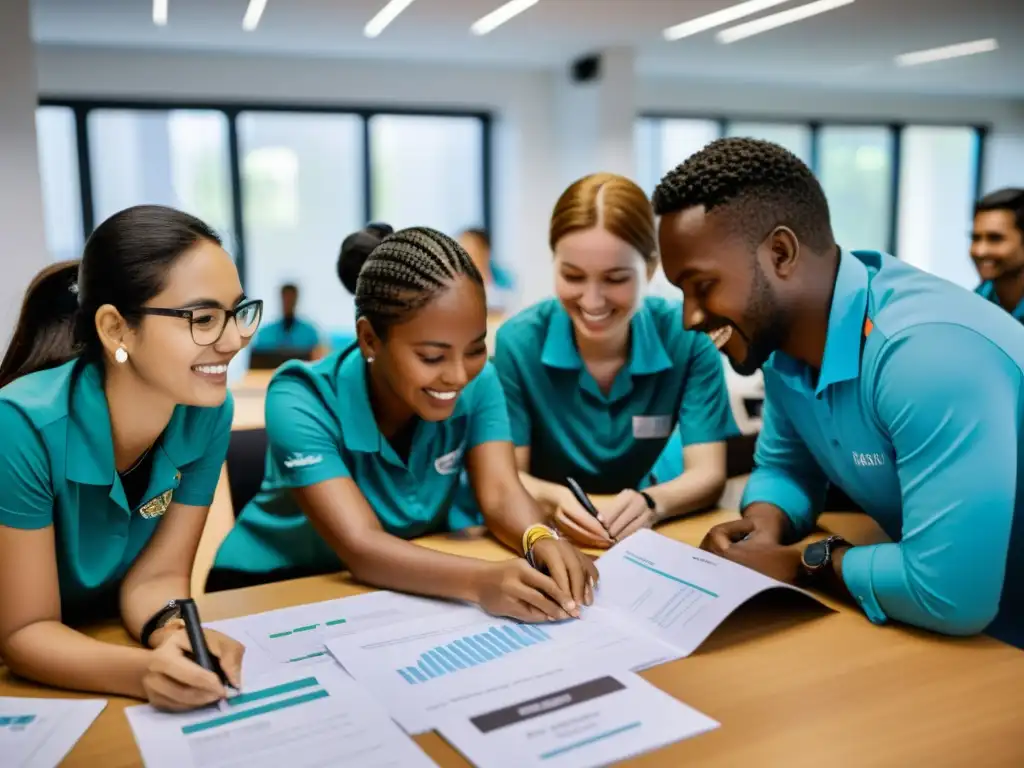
point(38, 733)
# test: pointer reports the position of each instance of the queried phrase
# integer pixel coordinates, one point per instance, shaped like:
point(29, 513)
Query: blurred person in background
point(290, 332)
point(497, 282)
point(997, 248)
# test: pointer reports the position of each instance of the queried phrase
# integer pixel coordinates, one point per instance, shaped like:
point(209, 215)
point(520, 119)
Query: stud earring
point(121, 355)
point(370, 359)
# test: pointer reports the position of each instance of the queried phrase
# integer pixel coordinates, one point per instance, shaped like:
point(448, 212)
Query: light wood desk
point(791, 684)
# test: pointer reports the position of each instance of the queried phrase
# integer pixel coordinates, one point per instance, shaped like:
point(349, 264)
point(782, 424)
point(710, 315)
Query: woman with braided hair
point(367, 446)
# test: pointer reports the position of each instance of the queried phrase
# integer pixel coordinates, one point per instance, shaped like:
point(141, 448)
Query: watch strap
point(170, 611)
point(829, 544)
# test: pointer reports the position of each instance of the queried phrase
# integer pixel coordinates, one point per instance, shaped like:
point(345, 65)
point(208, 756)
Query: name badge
point(652, 427)
point(450, 463)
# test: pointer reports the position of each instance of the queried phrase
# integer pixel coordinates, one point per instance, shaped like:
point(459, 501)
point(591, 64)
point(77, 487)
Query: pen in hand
point(581, 496)
point(200, 650)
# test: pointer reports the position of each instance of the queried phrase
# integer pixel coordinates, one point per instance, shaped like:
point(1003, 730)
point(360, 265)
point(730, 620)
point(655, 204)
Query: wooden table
point(792, 684)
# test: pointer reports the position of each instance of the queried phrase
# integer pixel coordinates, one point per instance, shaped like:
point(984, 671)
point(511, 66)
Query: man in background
point(290, 333)
point(997, 248)
point(498, 283)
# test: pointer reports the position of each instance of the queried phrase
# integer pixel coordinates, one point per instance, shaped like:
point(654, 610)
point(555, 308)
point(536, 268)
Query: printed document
point(676, 592)
point(570, 719)
point(38, 733)
point(418, 668)
point(296, 717)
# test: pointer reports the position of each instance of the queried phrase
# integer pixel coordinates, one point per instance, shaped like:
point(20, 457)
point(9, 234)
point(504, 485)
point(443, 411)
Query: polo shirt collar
point(90, 443)
point(988, 290)
point(359, 426)
point(647, 353)
point(846, 319)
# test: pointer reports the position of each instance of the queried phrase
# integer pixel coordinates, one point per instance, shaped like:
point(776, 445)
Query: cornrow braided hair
point(401, 272)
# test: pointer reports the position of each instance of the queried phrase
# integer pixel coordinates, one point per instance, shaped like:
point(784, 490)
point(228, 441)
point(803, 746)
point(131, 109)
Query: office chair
point(246, 459)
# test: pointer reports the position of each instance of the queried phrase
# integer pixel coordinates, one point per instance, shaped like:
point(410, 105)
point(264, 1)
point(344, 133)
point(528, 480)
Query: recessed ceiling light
point(500, 15)
point(946, 52)
point(253, 14)
point(718, 18)
point(160, 13)
point(385, 16)
point(780, 19)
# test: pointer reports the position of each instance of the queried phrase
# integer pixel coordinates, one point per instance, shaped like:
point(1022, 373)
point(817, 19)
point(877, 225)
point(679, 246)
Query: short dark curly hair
point(762, 184)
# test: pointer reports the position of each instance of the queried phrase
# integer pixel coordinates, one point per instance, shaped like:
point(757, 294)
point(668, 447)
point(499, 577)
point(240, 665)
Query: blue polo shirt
point(673, 379)
point(320, 425)
point(57, 469)
point(301, 335)
point(918, 415)
point(988, 290)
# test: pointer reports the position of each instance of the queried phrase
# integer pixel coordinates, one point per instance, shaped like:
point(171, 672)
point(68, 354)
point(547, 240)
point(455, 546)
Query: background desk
point(791, 685)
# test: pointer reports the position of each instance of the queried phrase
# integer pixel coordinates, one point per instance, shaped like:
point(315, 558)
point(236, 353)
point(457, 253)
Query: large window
point(283, 186)
point(856, 171)
point(427, 170)
point(907, 190)
point(58, 174)
point(938, 176)
point(302, 193)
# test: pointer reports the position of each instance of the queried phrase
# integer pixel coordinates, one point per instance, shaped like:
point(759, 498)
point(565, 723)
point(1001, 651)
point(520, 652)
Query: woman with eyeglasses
point(115, 418)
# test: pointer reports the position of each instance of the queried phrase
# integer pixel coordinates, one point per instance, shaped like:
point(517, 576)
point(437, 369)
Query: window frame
point(815, 124)
point(82, 107)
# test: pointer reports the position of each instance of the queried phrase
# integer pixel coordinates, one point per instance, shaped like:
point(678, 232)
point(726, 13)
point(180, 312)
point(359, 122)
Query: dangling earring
point(121, 355)
point(370, 359)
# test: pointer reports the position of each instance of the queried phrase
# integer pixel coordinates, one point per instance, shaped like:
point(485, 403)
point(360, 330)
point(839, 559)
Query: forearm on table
point(695, 489)
point(141, 600)
point(546, 493)
point(386, 561)
point(54, 654)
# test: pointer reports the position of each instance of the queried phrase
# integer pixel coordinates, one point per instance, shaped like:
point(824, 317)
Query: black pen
point(200, 650)
point(582, 498)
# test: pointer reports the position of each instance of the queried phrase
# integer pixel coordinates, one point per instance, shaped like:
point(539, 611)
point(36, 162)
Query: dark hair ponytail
point(125, 264)
point(356, 249)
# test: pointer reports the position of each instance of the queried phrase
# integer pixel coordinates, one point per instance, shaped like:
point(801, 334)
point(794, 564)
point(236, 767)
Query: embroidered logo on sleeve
point(868, 459)
point(297, 460)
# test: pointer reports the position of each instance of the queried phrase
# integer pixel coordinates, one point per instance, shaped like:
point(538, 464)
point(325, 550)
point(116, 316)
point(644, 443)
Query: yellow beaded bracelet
point(535, 533)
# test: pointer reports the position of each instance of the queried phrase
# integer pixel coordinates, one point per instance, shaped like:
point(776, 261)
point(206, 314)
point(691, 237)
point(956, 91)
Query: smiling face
point(729, 291)
point(997, 245)
point(600, 280)
point(425, 362)
point(162, 351)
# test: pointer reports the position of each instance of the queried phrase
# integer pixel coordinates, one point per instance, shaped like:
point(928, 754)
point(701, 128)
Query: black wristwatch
point(170, 611)
point(817, 556)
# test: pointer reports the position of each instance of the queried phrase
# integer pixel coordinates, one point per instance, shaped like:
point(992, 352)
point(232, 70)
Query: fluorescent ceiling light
point(718, 18)
point(253, 14)
point(946, 52)
point(499, 16)
point(160, 13)
point(385, 16)
point(780, 19)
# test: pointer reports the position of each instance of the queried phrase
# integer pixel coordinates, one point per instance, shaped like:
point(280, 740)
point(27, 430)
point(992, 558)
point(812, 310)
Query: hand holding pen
point(191, 667)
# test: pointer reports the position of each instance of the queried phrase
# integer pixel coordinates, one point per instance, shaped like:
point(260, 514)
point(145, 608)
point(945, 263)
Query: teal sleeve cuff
point(860, 564)
point(773, 487)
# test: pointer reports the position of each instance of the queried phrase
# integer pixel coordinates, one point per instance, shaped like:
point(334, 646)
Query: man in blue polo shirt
point(902, 389)
point(997, 248)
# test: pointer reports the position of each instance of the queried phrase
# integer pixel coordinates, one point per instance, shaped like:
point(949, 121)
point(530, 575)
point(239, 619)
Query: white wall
point(21, 208)
point(530, 127)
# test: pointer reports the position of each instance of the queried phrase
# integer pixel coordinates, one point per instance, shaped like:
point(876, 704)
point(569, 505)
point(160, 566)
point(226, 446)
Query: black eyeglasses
point(209, 323)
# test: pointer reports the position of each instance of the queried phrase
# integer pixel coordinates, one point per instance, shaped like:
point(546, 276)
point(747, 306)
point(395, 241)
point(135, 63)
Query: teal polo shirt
point(988, 290)
point(57, 468)
point(918, 415)
point(301, 335)
point(673, 379)
point(320, 425)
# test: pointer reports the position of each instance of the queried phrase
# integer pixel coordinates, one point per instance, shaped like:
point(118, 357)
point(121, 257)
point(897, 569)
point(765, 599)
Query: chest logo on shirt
point(155, 507)
point(868, 459)
point(450, 463)
point(301, 460)
point(652, 427)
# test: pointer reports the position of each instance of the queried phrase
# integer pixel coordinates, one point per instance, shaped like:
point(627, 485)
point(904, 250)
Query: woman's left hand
point(625, 513)
point(572, 571)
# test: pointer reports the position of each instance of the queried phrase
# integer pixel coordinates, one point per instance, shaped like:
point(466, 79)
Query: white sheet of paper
point(418, 668)
point(38, 733)
point(296, 636)
point(677, 592)
point(295, 717)
point(570, 719)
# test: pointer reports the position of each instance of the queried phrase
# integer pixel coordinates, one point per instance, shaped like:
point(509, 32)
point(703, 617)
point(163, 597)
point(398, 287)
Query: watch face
point(814, 554)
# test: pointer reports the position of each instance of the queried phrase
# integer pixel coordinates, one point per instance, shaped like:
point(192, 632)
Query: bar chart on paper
point(471, 651)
